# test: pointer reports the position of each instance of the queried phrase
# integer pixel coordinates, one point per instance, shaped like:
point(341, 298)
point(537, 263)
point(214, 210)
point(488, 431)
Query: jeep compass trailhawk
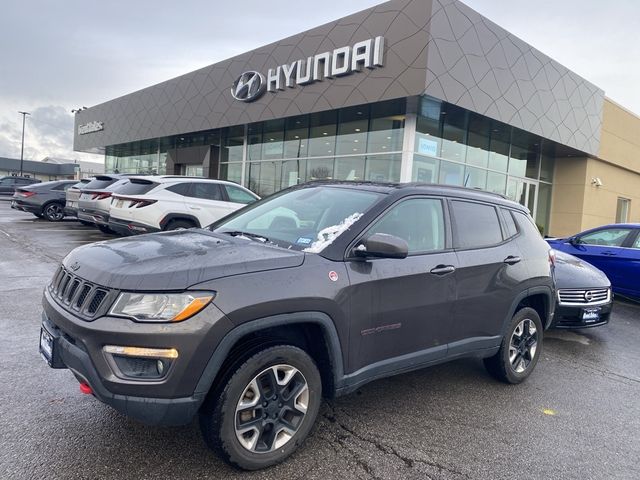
point(311, 292)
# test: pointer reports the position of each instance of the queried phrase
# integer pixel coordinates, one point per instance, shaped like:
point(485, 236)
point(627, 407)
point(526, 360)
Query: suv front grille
point(78, 295)
point(592, 296)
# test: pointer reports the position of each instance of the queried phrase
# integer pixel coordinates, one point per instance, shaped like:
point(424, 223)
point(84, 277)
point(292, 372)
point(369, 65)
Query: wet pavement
point(578, 415)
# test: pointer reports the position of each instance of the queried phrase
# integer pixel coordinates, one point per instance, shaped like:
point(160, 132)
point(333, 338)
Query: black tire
point(86, 224)
point(39, 215)
point(54, 212)
point(178, 225)
point(105, 229)
point(219, 415)
point(518, 355)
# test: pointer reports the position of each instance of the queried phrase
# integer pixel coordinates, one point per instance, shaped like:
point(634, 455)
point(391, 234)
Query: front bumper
point(171, 400)
point(568, 317)
point(98, 217)
point(125, 228)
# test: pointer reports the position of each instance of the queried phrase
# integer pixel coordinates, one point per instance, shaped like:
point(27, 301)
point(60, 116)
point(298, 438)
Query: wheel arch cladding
point(313, 332)
point(179, 216)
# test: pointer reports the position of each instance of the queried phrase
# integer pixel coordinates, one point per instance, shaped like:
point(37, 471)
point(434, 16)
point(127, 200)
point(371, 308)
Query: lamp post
point(24, 117)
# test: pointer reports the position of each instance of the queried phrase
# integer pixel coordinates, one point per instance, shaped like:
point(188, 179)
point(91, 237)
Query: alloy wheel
point(271, 409)
point(54, 212)
point(523, 345)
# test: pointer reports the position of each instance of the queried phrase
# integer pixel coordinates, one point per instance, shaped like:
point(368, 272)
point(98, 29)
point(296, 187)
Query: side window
point(418, 221)
point(238, 195)
point(510, 224)
point(62, 186)
point(609, 237)
point(476, 225)
point(527, 225)
point(180, 188)
point(636, 244)
point(206, 191)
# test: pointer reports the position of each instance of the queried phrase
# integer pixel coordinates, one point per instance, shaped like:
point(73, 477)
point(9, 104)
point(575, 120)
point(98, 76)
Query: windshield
point(307, 219)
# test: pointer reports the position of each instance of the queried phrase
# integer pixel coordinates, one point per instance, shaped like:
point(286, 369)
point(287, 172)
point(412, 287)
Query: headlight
point(161, 307)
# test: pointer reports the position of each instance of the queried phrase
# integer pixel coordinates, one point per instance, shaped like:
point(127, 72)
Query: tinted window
point(117, 186)
point(418, 221)
point(136, 187)
point(476, 225)
point(100, 182)
point(636, 244)
point(207, 191)
point(609, 237)
point(526, 225)
point(510, 224)
point(7, 181)
point(239, 195)
point(62, 186)
point(179, 188)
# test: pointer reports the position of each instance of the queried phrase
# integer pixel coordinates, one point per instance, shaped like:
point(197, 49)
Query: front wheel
point(265, 409)
point(54, 212)
point(520, 348)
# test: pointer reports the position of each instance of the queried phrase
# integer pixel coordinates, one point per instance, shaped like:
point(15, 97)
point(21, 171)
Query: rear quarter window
point(239, 195)
point(475, 225)
point(179, 188)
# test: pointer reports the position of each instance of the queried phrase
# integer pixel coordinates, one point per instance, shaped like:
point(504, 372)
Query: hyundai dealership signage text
point(90, 128)
point(369, 53)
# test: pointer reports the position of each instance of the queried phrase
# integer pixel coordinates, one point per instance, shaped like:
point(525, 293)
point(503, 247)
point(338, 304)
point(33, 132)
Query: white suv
point(156, 203)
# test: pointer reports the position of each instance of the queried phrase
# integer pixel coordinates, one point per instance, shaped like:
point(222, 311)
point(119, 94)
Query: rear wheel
point(86, 224)
point(54, 212)
point(520, 348)
point(265, 409)
point(105, 229)
point(179, 225)
point(39, 215)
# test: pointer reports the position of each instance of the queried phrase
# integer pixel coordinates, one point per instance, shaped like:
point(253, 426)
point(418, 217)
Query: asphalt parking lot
point(578, 416)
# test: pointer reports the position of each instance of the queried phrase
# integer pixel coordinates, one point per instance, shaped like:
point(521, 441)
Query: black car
point(44, 200)
point(9, 184)
point(311, 292)
point(584, 294)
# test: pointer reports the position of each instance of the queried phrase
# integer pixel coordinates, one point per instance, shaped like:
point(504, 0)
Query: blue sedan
point(614, 249)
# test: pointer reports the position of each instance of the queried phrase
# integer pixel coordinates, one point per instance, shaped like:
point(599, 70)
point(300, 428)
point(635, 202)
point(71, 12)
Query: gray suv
point(310, 293)
point(44, 200)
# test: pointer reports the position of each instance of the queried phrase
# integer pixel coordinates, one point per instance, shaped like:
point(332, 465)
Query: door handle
point(512, 260)
point(442, 269)
point(609, 254)
point(191, 207)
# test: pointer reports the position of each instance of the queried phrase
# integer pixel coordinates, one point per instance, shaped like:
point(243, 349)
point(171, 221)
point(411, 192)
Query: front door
point(402, 307)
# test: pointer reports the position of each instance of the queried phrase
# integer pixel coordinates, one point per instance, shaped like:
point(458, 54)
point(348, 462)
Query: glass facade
point(451, 145)
point(457, 147)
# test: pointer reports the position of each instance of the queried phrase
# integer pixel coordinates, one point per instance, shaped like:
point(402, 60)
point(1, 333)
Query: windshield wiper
point(240, 233)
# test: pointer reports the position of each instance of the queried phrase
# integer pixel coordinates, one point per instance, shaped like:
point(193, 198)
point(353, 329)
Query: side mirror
point(382, 245)
point(573, 241)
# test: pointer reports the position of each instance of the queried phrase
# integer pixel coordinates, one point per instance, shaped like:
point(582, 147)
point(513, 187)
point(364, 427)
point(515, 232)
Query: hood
point(571, 272)
point(174, 260)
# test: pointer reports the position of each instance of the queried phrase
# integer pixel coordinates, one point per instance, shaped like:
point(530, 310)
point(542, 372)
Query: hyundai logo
point(588, 295)
point(249, 86)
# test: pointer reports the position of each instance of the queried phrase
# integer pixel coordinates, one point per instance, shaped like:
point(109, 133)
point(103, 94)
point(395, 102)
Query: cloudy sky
point(59, 55)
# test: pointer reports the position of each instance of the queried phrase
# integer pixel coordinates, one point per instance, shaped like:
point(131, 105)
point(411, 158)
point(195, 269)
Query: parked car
point(44, 200)
point(614, 249)
point(73, 194)
point(152, 204)
point(9, 184)
point(95, 200)
point(584, 294)
point(250, 323)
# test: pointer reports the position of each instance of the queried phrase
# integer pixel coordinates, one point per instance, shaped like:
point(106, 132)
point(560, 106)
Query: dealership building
point(409, 90)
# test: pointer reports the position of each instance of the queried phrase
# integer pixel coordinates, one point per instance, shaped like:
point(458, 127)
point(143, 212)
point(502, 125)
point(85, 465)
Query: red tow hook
point(85, 388)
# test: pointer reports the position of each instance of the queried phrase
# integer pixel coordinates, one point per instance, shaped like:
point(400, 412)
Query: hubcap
point(271, 408)
point(523, 345)
point(54, 212)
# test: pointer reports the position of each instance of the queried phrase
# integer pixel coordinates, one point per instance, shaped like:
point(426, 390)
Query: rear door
point(206, 201)
point(403, 306)
point(490, 269)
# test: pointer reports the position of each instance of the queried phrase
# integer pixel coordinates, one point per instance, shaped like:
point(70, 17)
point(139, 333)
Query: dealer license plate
point(591, 315)
point(46, 346)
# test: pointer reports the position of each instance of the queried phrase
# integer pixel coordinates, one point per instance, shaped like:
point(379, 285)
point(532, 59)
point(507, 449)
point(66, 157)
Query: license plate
point(46, 346)
point(590, 315)
point(73, 204)
point(119, 203)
